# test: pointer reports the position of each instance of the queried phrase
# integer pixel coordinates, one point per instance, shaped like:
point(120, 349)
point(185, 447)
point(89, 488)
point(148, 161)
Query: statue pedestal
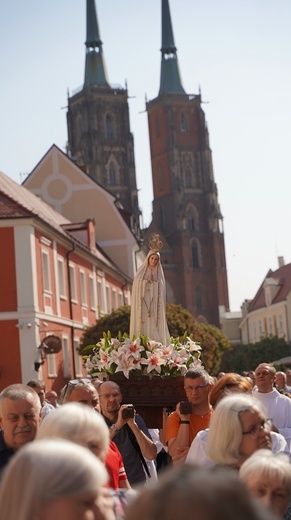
point(150, 395)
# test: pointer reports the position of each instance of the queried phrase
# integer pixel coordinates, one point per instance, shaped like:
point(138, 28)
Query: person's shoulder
point(173, 417)
point(202, 435)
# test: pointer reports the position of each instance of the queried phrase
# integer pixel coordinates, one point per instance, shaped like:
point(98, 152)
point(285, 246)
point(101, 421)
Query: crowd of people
point(84, 455)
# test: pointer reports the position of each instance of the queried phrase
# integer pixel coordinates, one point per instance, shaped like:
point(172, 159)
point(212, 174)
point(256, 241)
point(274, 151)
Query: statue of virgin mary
point(148, 302)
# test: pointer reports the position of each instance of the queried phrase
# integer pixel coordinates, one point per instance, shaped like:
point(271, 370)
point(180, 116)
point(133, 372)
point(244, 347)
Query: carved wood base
point(150, 395)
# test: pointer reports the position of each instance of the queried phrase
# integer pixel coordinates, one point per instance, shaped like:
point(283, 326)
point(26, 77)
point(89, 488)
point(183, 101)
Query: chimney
point(281, 261)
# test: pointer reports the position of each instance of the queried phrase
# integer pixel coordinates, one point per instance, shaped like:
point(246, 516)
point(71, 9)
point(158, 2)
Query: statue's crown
point(156, 244)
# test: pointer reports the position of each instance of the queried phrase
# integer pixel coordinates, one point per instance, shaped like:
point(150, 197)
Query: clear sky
point(237, 51)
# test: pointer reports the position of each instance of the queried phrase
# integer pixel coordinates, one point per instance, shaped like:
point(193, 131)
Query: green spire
point(95, 70)
point(170, 76)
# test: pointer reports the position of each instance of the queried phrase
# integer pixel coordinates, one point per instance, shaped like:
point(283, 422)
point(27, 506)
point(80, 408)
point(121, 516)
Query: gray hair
point(69, 387)
point(225, 429)
point(19, 392)
point(198, 372)
point(52, 469)
point(265, 463)
point(75, 421)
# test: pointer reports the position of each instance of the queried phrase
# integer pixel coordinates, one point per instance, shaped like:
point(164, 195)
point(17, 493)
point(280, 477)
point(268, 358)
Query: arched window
point(183, 122)
point(188, 178)
point(198, 298)
point(109, 126)
point(195, 255)
point(192, 218)
point(112, 175)
point(191, 222)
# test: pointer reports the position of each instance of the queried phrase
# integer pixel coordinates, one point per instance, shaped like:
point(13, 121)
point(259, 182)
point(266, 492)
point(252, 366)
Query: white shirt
point(197, 453)
point(278, 408)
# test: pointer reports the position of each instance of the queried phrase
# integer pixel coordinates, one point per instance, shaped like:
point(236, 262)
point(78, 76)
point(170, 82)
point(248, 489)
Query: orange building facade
point(52, 284)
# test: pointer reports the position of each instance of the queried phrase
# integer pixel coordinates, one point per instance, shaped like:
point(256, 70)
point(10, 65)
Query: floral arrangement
point(142, 356)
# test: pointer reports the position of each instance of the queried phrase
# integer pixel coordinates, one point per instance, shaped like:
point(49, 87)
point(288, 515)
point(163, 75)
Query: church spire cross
point(95, 70)
point(170, 75)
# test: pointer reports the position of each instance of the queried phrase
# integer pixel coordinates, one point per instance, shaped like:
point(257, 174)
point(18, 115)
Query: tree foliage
point(247, 357)
point(211, 339)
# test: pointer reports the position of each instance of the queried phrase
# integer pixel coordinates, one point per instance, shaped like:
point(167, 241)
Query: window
point(195, 255)
point(78, 359)
point(183, 122)
point(260, 329)
point(188, 179)
point(270, 326)
point(83, 289)
point(61, 278)
point(73, 282)
point(191, 222)
point(112, 175)
point(255, 330)
point(120, 295)
point(46, 274)
point(109, 126)
point(100, 296)
point(66, 357)
point(51, 365)
point(92, 289)
point(114, 299)
point(281, 326)
point(108, 302)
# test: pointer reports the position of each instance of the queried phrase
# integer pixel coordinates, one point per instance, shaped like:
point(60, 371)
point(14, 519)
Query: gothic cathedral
point(186, 211)
point(99, 136)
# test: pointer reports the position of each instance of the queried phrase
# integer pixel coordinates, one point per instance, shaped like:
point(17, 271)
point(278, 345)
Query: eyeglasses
point(107, 396)
point(255, 430)
point(70, 384)
point(74, 382)
point(196, 388)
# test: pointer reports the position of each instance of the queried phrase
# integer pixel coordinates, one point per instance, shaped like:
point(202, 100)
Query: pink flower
point(132, 348)
point(126, 364)
point(154, 361)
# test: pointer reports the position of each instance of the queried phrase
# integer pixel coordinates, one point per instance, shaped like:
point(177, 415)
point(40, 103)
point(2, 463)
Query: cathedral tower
point(99, 136)
point(186, 211)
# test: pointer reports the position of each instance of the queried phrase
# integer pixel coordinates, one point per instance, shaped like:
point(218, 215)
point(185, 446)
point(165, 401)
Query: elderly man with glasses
point(191, 417)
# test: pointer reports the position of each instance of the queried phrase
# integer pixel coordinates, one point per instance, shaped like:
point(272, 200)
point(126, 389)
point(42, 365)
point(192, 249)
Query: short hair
point(225, 428)
point(229, 380)
point(36, 383)
point(52, 469)
point(194, 373)
point(69, 387)
point(73, 421)
point(188, 491)
point(268, 367)
point(265, 463)
point(281, 374)
point(19, 392)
